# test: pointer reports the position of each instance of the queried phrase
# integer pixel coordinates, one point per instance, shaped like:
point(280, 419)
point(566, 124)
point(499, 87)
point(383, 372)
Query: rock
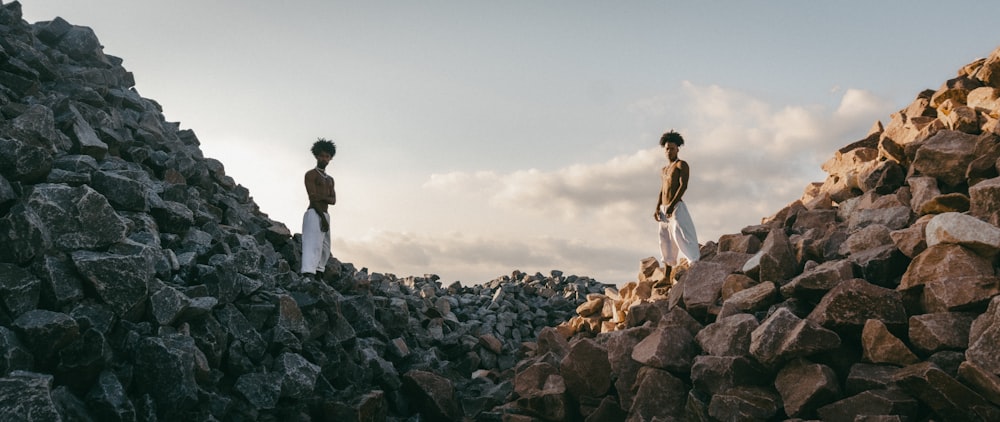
point(847, 307)
point(960, 229)
point(753, 299)
point(669, 347)
point(783, 336)
point(868, 237)
point(261, 390)
point(108, 399)
point(165, 369)
point(715, 374)
point(15, 356)
point(743, 243)
point(984, 201)
point(119, 280)
point(298, 375)
point(729, 336)
point(863, 377)
point(805, 386)
point(19, 289)
point(658, 395)
point(944, 261)
point(702, 286)
point(981, 380)
point(586, 369)
point(624, 369)
point(734, 283)
point(870, 403)
point(948, 398)
point(923, 189)
point(880, 346)
point(894, 218)
point(815, 282)
point(931, 333)
point(984, 334)
point(911, 241)
point(744, 403)
point(775, 261)
point(950, 202)
point(46, 332)
point(541, 390)
point(945, 156)
point(27, 396)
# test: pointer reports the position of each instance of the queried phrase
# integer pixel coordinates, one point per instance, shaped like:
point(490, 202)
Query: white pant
point(678, 240)
point(315, 243)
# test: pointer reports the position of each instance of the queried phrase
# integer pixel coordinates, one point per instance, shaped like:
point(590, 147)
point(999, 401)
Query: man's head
point(671, 142)
point(323, 150)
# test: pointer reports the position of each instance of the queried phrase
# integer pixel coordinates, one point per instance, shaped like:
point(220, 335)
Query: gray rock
point(27, 396)
point(19, 289)
point(119, 280)
point(108, 400)
point(298, 375)
point(261, 390)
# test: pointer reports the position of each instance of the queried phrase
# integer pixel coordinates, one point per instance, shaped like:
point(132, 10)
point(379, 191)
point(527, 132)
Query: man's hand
point(656, 214)
point(670, 211)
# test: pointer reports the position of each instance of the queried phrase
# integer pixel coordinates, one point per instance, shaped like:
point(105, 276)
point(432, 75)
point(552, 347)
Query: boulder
point(945, 156)
point(784, 336)
point(586, 369)
point(27, 396)
point(931, 333)
point(715, 374)
point(879, 346)
point(948, 398)
point(805, 386)
point(847, 307)
point(729, 336)
point(965, 230)
point(659, 394)
point(434, 395)
point(744, 404)
point(870, 403)
point(984, 200)
point(753, 299)
point(671, 348)
point(813, 283)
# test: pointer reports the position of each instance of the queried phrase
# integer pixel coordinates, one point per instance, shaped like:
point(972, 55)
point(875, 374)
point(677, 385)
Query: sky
point(476, 138)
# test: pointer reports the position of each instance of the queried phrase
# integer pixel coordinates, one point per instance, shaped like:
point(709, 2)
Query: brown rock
point(607, 411)
point(658, 395)
point(870, 403)
point(491, 343)
point(847, 307)
point(551, 341)
point(433, 394)
point(677, 317)
point(593, 305)
point(620, 345)
point(922, 190)
point(931, 333)
point(894, 218)
point(702, 286)
point(960, 117)
point(880, 346)
point(959, 293)
point(984, 336)
point(941, 262)
point(586, 369)
point(715, 374)
point(744, 404)
point(805, 386)
point(946, 156)
point(865, 376)
point(949, 202)
point(542, 390)
point(985, 99)
point(775, 261)
point(729, 336)
point(968, 231)
point(911, 241)
point(945, 94)
point(814, 283)
point(734, 283)
point(984, 200)
point(868, 237)
point(882, 265)
point(753, 299)
point(671, 348)
point(784, 336)
point(948, 398)
point(981, 380)
point(742, 243)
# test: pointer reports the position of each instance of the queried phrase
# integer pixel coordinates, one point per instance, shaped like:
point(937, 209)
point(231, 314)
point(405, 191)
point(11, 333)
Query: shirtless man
point(316, 221)
point(678, 240)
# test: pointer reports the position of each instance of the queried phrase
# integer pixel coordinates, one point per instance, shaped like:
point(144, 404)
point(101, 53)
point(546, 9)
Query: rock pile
point(139, 282)
point(875, 296)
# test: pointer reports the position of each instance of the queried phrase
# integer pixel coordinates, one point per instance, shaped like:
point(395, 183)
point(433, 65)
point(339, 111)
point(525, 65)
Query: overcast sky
point(480, 137)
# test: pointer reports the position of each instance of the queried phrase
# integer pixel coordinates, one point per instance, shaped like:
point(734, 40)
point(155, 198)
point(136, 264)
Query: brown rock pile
point(874, 296)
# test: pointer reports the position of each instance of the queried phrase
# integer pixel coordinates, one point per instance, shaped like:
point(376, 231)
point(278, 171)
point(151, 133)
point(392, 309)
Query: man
point(316, 221)
point(678, 240)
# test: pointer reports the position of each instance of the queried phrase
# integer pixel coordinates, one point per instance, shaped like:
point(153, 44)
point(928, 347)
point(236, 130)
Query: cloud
point(748, 158)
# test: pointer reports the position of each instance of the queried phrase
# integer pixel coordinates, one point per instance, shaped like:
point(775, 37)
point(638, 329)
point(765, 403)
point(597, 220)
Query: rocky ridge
point(875, 296)
point(139, 282)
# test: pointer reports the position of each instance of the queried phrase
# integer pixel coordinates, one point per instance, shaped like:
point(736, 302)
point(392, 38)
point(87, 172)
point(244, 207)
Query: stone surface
point(783, 336)
point(948, 398)
point(805, 386)
point(931, 333)
point(961, 229)
point(882, 347)
point(852, 303)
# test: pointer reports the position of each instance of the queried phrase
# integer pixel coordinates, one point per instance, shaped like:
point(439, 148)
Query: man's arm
point(659, 199)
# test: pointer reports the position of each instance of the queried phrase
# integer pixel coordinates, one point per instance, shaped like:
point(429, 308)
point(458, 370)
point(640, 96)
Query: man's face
point(322, 159)
point(670, 150)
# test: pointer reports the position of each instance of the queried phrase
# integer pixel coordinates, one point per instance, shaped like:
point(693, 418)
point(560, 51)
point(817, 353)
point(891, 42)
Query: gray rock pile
point(875, 296)
point(139, 282)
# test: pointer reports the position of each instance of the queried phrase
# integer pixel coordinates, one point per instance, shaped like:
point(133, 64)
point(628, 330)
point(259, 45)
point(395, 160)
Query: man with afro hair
point(678, 240)
point(316, 221)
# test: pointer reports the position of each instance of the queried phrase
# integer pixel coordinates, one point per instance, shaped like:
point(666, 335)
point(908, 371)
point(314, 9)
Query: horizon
point(476, 139)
